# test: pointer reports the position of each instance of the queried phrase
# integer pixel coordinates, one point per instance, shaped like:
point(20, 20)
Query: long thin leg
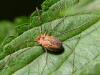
point(37, 10)
point(74, 52)
point(46, 56)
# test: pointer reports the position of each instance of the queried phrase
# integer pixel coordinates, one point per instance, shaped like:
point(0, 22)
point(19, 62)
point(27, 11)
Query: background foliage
point(75, 22)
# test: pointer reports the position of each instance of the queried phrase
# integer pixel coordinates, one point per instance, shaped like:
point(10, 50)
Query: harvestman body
point(51, 43)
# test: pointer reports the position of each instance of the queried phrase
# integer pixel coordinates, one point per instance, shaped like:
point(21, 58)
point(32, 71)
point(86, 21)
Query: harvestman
point(50, 42)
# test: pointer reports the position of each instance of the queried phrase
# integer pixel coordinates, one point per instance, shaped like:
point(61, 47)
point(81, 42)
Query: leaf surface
point(76, 23)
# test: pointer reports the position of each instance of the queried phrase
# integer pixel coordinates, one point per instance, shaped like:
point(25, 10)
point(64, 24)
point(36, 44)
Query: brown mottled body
point(49, 42)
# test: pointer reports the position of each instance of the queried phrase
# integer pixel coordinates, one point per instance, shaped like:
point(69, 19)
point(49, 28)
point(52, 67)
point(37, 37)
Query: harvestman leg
point(8, 60)
point(73, 50)
point(46, 52)
point(41, 32)
point(46, 56)
point(74, 55)
point(67, 45)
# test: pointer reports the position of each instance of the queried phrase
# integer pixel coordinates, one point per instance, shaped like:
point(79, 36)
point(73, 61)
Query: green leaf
point(87, 51)
point(22, 24)
point(54, 12)
point(23, 57)
point(64, 8)
point(47, 3)
point(7, 33)
point(76, 23)
point(65, 23)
